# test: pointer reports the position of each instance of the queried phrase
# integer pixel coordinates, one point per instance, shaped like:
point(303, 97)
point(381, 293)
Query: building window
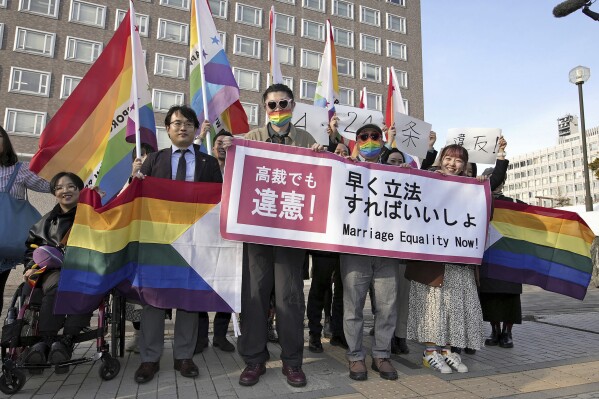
point(287, 81)
point(343, 37)
point(1, 34)
point(3, 3)
point(396, 23)
point(81, 50)
point(287, 1)
point(22, 121)
point(68, 85)
point(172, 31)
point(342, 8)
point(219, 8)
point(317, 5)
point(402, 78)
point(406, 106)
point(247, 46)
point(87, 13)
point(29, 81)
point(307, 89)
point(397, 2)
point(170, 66)
point(251, 110)
point(162, 100)
point(48, 8)
point(284, 23)
point(311, 59)
point(223, 39)
point(141, 20)
point(370, 16)
point(247, 79)
point(345, 66)
point(370, 72)
point(182, 4)
point(285, 54)
point(313, 30)
point(370, 44)
point(346, 96)
point(397, 50)
point(248, 15)
point(374, 101)
point(34, 42)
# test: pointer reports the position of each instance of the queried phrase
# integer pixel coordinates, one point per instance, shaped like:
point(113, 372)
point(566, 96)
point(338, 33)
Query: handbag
point(16, 218)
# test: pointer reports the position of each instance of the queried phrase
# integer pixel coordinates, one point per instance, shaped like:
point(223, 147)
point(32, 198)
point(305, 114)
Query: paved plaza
point(556, 355)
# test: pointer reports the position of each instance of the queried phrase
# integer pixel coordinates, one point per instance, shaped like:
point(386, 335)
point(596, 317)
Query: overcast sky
point(505, 64)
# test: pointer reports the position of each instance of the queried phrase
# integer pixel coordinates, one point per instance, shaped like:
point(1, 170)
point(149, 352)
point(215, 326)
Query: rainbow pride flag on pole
point(92, 133)
point(545, 247)
point(159, 242)
point(327, 87)
point(211, 78)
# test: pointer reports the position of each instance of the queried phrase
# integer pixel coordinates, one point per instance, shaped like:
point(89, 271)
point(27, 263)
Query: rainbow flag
point(159, 242)
point(209, 64)
point(91, 134)
point(327, 87)
point(545, 247)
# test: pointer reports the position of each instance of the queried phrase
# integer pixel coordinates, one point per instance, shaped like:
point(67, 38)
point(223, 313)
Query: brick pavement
point(556, 355)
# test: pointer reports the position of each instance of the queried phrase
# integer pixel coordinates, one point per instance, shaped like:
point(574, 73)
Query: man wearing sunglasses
point(358, 273)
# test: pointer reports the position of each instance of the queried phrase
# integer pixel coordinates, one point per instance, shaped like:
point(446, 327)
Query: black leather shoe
point(146, 371)
point(37, 355)
point(470, 351)
point(295, 376)
point(505, 340)
point(223, 344)
point(200, 345)
point(251, 374)
point(399, 346)
point(314, 344)
point(339, 340)
point(493, 339)
point(457, 350)
point(60, 352)
point(187, 368)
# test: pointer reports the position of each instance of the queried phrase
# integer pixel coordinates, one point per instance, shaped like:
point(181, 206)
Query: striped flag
point(211, 78)
point(327, 87)
point(394, 98)
point(549, 248)
point(158, 242)
point(91, 134)
point(275, 66)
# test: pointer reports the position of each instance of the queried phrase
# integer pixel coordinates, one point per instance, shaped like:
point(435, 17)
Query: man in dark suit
point(182, 161)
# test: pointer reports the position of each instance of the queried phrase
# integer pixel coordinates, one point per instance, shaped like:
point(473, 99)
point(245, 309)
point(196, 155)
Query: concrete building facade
point(46, 47)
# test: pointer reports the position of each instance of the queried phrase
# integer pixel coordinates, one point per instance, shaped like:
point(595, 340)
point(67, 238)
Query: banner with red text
point(289, 196)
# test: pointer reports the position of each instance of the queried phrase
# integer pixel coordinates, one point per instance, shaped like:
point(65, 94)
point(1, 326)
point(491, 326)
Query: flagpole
point(134, 80)
point(202, 74)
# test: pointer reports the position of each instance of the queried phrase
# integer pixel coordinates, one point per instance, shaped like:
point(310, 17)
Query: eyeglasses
point(374, 136)
point(178, 124)
point(281, 103)
point(68, 187)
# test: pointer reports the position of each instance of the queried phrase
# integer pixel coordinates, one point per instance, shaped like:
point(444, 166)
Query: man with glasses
point(182, 161)
point(358, 273)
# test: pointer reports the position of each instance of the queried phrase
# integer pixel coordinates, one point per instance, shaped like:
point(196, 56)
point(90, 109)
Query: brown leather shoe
point(251, 374)
point(384, 367)
point(145, 372)
point(187, 368)
point(295, 376)
point(357, 370)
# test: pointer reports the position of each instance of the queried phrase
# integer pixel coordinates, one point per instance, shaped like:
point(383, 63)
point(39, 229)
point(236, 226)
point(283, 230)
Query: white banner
point(481, 143)
point(312, 119)
point(352, 118)
point(411, 135)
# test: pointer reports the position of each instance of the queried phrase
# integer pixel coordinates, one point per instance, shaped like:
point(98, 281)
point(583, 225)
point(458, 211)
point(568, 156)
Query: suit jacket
point(158, 164)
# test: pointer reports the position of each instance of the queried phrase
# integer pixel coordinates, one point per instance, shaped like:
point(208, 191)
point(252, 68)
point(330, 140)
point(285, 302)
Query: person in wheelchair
point(53, 230)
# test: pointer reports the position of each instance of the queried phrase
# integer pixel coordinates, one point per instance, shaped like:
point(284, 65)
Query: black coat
point(158, 164)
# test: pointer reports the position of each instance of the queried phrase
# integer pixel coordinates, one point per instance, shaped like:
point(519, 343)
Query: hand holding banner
point(481, 143)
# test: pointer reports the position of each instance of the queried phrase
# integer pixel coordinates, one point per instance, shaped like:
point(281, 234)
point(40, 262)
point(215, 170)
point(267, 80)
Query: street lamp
point(578, 76)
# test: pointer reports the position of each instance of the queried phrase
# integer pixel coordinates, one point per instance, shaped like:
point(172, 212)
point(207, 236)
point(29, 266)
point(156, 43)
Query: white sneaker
point(435, 361)
point(455, 361)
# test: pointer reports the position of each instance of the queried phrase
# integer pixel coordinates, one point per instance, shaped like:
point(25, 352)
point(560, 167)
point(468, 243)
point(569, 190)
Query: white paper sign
point(312, 119)
point(481, 143)
point(412, 135)
point(352, 118)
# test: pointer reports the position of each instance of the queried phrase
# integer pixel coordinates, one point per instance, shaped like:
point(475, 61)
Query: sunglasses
point(374, 136)
point(281, 103)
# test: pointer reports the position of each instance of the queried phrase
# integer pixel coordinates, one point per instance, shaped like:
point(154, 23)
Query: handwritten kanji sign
point(412, 135)
point(312, 119)
point(352, 118)
point(481, 143)
point(290, 196)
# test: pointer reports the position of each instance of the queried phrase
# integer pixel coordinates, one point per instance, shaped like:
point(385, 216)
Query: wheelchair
point(20, 333)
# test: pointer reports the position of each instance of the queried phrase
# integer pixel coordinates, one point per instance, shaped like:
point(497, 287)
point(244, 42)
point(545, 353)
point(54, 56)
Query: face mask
point(280, 118)
point(370, 149)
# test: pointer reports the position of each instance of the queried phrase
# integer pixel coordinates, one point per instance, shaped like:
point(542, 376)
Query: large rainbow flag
point(208, 57)
point(159, 242)
point(92, 133)
point(545, 247)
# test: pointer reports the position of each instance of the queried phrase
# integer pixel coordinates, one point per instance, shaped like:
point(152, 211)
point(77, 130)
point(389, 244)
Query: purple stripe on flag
point(219, 74)
point(177, 298)
point(533, 278)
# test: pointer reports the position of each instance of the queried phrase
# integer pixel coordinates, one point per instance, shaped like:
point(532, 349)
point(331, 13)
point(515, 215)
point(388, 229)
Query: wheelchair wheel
point(11, 382)
point(110, 368)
